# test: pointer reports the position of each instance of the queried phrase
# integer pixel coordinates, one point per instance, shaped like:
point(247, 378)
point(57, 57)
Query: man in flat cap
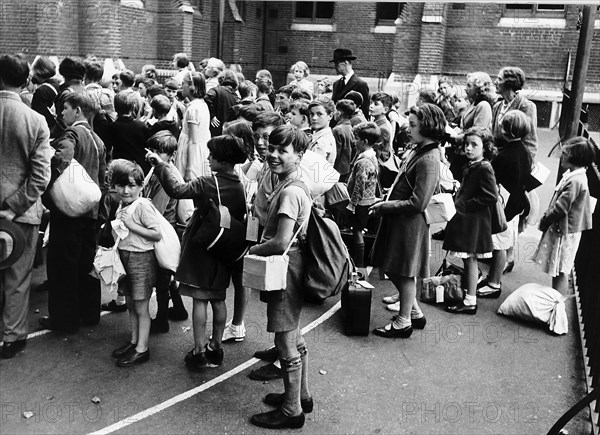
point(342, 61)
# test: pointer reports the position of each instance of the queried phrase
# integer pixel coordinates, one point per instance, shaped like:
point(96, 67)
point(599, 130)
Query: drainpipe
point(220, 29)
point(264, 37)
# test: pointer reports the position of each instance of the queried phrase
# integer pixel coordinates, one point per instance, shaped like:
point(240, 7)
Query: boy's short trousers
point(141, 274)
point(284, 307)
point(507, 238)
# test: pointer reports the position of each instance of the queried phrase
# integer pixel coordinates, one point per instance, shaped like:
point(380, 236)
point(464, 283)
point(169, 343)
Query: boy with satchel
point(74, 295)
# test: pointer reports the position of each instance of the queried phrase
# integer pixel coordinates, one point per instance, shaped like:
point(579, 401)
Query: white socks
point(470, 300)
point(401, 323)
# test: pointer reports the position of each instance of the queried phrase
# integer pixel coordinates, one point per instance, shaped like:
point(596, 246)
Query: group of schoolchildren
point(160, 152)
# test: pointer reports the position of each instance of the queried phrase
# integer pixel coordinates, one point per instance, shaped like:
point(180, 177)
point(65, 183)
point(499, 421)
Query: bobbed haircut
point(432, 119)
point(72, 68)
point(83, 101)
point(242, 130)
point(125, 103)
point(161, 105)
point(302, 66)
point(42, 69)
point(163, 142)
point(94, 70)
point(198, 83)
point(263, 74)
point(14, 70)
point(580, 151)
point(127, 78)
point(266, 119)
point(368, 131)
point(227, 149)
point(516, 125)
point(487, 139)
point(385, 98)
point(228, 78)
point(121, 171)
point(514, 77)
point(346, 108)
point(356, 97)
point(285, 135)
point(326, 104)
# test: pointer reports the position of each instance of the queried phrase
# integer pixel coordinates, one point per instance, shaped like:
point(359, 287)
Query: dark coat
point(529, 109)
point(126, 139)
point(470, 230)
point(197, 267)
point(357, 84)
point(220, 100)
point(402, 243)
point(512, 167)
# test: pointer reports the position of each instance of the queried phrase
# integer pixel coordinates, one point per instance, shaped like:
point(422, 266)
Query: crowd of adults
point(390, 161)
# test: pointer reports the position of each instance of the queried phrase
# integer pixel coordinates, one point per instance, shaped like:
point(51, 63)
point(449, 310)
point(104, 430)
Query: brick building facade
point(429, 39)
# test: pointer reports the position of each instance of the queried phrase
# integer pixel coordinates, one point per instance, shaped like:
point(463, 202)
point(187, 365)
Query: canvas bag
point(327, 264)
point(74, 192)
point(108, 268)
point(168, 248)
point(445, 287)
point(222, 235)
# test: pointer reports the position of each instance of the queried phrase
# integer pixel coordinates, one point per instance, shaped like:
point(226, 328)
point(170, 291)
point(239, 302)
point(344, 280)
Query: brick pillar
point(433, 40)
point(99, 28)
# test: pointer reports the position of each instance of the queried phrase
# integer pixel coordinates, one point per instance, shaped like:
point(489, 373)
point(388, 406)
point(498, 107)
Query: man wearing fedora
point(342, 61)
point(25, 173)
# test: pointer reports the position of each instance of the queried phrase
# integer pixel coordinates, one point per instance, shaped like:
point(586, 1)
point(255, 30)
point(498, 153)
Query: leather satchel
point(498, 218)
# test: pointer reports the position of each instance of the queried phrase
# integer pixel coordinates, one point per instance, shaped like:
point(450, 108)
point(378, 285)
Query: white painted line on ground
point(186, 395)
point(46, 331)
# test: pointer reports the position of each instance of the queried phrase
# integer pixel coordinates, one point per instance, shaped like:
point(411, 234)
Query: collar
point(84, 123)
point(367, 153)
point(317, 134)
point(348, 76)
point(570, 174)
point(10, 94)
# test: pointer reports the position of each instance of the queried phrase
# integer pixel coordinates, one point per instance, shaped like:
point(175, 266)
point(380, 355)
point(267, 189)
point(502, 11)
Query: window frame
point(314, 19)
point(533, 11)
point(388, 21)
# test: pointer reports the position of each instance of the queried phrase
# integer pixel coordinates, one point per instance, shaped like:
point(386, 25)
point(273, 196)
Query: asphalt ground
point(482, 374)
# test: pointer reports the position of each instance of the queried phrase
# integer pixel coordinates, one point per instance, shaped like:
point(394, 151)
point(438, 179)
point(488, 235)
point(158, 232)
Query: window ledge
point(186, 9)
point(136, 4)
point(557, 23)
point(384, 29)
point(311, 27)
point(432, 19)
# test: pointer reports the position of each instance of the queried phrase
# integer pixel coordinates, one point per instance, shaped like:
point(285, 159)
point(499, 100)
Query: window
point(547, 10)
point(314, 11)
point(387, 13)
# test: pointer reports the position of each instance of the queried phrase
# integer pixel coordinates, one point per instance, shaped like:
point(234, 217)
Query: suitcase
point(356, 309)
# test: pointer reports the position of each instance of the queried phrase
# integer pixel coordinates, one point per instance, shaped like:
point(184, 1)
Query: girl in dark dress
point(469, 233)
point(201, 276)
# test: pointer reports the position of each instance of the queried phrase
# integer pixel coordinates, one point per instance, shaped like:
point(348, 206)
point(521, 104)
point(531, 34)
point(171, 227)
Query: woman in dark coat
point(402, 244)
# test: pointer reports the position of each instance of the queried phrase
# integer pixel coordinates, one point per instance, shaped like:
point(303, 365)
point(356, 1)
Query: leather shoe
point(418, 323)
point(266, 373)
point(112, 306)
point(134, 358)
point(10, 349)
point(461, 308)
point(276, 399)
point(389, 331)
point(269, 355)
point(276, 419)
point(47, 323)
point(509, 267)
point(123, 350)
